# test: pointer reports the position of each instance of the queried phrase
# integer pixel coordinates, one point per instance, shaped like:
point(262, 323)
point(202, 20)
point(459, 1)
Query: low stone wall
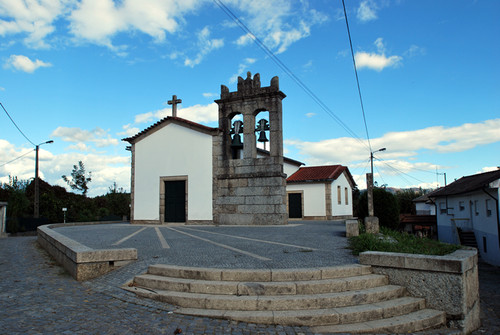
point(448, 283)
point(82, 262)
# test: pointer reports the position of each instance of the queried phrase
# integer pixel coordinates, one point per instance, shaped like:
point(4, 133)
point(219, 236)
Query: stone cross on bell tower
point(174, 103)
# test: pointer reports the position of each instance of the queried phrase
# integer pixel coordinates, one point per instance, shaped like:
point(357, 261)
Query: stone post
point(371, 221)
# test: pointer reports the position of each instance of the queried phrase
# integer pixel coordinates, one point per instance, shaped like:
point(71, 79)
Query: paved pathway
point(38, 297)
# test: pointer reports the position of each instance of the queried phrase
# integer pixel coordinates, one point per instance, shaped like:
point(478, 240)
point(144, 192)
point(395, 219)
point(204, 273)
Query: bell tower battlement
point(249, 186)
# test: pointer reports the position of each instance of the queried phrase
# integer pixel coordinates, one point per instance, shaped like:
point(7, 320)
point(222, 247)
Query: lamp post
point(36, 214)
point(369, 182)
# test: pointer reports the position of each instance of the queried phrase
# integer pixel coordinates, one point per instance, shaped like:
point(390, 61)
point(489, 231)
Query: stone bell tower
point(249, 187)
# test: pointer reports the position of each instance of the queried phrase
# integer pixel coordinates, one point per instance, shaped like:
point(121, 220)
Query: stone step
point(314, 317)
point(274, 303)
point(156, 282)
point(409, 323)
point(259, 275)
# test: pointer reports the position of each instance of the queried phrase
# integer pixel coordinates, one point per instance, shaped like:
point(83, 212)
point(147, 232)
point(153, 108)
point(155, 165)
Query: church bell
point(236, 142)
point(262, 137)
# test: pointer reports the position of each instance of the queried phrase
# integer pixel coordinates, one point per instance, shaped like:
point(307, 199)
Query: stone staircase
point(344, 299)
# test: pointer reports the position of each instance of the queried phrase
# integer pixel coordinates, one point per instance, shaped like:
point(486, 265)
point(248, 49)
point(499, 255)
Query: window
point(485, 247)
point(346, 196)
point(476, 209)
point(461, 205)
point(442, 208)
point(488, 207)
point(339, 195)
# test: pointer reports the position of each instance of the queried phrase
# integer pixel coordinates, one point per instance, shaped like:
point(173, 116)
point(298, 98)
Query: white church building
point(176, 173)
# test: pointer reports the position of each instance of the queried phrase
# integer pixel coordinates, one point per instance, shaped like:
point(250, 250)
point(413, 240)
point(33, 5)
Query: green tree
point(385, 207)
point(405, 200)
point(19, 204)
point(79, 179)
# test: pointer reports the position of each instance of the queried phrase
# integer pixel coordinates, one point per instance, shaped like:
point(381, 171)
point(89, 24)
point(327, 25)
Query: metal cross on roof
point(174, 103)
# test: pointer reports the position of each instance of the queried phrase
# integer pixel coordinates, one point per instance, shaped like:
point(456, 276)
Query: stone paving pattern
point(38, 297)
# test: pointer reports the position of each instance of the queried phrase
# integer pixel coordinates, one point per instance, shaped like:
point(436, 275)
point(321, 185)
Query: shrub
point(393, 241)
point(385, 207)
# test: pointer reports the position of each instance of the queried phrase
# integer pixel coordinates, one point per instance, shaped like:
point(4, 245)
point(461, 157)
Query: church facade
point(188, 173)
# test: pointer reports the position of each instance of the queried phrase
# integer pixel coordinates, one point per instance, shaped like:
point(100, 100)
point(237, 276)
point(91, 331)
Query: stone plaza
point(39, 297)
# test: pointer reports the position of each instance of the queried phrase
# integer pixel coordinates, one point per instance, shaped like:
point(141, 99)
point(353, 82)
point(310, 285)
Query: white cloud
point(401, 146)
point(310, 114)
point(376, 61)
point(488, 169)
point(98, 136)
point(197, 113)
point(34, 18)
point(205, 46)
point(200, 113)
point(279, 23)
point(128, 130)
point(105, 168)
point(415, 50)
point(210, 95)
point(20, 161)
point(367, 11)
point(144, 117)
point(245, 39)
point(243, 67)
point(23, 63)
point(155, 18)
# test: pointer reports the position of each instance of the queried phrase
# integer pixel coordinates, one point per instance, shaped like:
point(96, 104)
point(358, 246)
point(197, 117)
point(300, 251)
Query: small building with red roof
point(320, 193)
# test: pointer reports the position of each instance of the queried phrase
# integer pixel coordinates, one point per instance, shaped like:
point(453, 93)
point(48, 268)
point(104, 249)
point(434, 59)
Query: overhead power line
point(289, 72)
point(26, 137)
point(357, 79)
point(15, 159)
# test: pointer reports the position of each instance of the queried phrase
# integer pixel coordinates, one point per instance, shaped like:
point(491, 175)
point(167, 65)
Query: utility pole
point(371, 222)
point(36, 213)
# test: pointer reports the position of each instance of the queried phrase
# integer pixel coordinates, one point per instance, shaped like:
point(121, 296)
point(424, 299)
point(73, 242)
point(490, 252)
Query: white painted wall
point(289, 169)
point(423, 208)
point(173, 150)
point(472, 215)
point(313, 198)
point(344, 208)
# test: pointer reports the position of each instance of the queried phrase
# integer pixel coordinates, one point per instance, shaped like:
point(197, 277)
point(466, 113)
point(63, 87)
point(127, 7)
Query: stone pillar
point(371, 225)
point(3, 219)
point(351, 228)
point(369, 189)
point(371, 222)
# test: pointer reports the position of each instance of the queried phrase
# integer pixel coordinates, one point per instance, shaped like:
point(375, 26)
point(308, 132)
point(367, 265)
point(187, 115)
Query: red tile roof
point(319, 173)
point(171, 119)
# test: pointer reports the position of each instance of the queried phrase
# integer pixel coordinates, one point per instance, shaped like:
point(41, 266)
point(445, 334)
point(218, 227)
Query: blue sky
point(88, 73)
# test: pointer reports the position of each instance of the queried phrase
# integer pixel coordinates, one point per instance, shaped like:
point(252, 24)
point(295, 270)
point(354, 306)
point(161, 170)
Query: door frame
point(162, 197)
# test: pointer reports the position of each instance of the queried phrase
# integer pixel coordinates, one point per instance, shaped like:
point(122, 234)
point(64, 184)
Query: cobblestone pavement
point(38, 297)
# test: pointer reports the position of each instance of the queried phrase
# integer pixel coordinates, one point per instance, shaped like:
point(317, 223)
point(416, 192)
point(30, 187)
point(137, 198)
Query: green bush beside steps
point(393, 241)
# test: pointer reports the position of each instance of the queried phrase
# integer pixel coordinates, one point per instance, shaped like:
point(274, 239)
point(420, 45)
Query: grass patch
point(393, 241)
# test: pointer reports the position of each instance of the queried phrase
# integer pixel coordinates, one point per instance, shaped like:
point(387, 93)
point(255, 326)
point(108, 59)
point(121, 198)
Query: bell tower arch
point(249, 187)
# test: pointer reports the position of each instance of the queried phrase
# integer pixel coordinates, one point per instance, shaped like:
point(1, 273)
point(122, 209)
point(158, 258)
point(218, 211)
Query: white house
point(178, 153)
point(320, 193)
point(471, 204)
point(424, 205)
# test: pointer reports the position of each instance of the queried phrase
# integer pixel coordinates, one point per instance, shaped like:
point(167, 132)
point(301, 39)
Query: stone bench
point(82, 262)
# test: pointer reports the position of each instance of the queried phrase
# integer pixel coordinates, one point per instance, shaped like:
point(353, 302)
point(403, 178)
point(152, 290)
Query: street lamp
point(36, 214)
point(369, 182)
